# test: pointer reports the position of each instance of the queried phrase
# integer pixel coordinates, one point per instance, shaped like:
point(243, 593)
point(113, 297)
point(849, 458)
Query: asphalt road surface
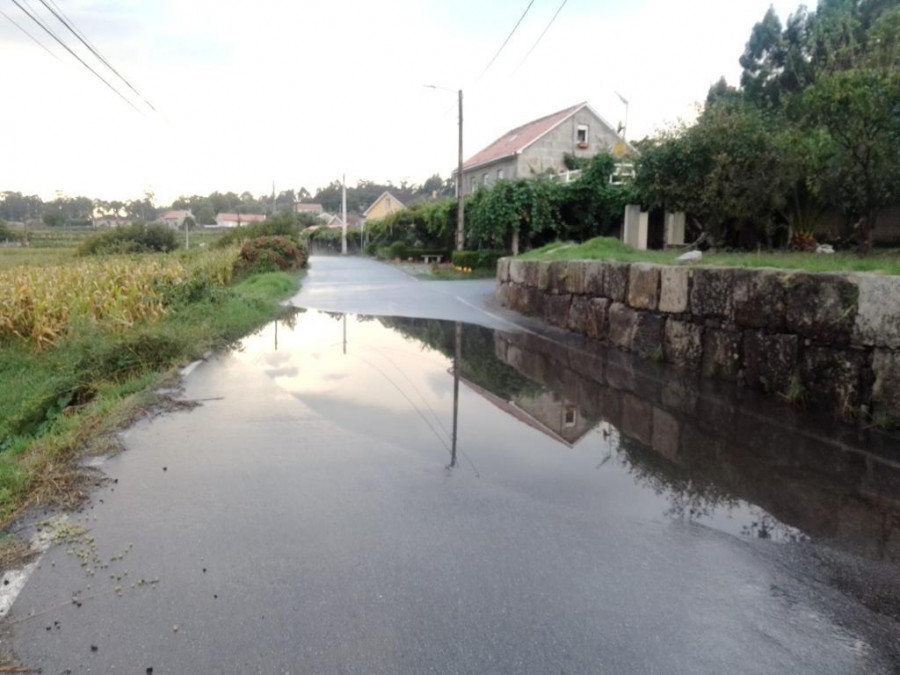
point(303, 518)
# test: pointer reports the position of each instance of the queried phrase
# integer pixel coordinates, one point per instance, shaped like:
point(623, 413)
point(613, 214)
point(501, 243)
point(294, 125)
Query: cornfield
point(40, 304)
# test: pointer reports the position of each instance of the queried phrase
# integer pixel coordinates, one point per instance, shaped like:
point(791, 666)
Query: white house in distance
point(314, 209)
point(175, 219)
point(238, 219)
point(540, 147)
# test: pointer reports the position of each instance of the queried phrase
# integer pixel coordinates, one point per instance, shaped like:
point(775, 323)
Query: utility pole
point(344, 214)
point(460, 197)
point(273, 197)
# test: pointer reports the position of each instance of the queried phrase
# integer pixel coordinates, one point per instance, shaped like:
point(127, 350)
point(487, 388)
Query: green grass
point(34, 257)
point(56, 403)
point(452, 275)
point(886, 262)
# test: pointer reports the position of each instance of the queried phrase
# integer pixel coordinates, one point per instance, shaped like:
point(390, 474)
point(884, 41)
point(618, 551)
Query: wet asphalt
point(303, 519)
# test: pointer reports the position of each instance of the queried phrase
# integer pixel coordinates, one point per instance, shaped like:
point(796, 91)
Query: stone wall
point(833, 481)
point(830, 340)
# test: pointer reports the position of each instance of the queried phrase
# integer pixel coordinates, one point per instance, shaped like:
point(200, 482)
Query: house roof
point(516, 140)
point(382, 196)
point(243, 217)
point(312, 208)
point(524, 416)
point(176, 215)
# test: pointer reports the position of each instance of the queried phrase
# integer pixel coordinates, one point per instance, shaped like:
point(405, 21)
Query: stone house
point(540, 147)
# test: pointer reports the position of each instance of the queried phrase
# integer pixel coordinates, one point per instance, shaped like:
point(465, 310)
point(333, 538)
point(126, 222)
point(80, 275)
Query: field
point(85, 341)
point(885, 262)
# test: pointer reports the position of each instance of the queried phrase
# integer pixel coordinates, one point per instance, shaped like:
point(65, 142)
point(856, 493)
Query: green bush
point(7, 233)
point(280, 225)
point(270, 254)
point(399, 250)
point(134, 238)
point(485, 259)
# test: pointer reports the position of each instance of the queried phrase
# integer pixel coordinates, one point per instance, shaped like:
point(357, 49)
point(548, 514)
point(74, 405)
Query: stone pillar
point(674, 229)
point(631, 226)
point(643, 226)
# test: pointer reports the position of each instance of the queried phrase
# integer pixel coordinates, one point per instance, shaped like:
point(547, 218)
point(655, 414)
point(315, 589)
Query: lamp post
point(625, 124)
point(460, 200)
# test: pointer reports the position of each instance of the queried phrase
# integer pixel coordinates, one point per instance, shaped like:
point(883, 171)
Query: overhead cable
point(541, 36)
point(491, 62)
point(68, 49)
point(33, 39)
point(65, 21)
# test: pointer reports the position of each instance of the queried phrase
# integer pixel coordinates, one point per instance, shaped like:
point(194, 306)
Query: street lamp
point(460, 232)
point(625, 124)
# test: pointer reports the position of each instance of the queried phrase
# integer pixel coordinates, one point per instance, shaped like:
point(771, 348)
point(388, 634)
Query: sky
point(301, 92)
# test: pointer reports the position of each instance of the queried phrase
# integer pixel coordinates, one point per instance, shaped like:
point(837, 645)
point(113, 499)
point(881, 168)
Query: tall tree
point(860, 111)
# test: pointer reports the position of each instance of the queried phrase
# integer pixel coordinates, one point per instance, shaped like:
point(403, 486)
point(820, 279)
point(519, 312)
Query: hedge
point(484, 259)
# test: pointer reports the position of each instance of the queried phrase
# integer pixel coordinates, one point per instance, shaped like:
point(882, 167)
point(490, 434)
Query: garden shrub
point(270, 254)
point(484, 259)
point(399, 250)
point(134, 238)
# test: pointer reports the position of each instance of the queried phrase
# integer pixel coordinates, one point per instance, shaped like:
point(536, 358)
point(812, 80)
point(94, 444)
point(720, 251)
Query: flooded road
point(591, 514)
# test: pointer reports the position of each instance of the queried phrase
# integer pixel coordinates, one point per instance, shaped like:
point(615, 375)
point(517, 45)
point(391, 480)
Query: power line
point(541, 36)
point(68, 49)
point(34, 39)
point(65, 21)
point(491, 62)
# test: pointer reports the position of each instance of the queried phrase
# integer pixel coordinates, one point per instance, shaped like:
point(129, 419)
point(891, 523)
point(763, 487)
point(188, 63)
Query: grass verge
point(886, 262)
point(453, 275)
point(67, 400)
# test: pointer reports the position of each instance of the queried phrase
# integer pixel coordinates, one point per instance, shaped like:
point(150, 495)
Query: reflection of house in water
point(543, 410)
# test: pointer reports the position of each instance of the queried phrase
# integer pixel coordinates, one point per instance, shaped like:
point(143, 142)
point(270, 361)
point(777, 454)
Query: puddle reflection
point(575, 424)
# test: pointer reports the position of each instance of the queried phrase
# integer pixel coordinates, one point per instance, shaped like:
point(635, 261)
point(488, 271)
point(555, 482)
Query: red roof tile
point(517, 139)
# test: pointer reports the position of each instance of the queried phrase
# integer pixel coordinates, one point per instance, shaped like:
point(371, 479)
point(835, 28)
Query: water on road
point(399, 494)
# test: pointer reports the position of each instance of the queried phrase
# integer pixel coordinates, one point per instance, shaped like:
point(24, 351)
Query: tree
point(860, 162)
point(728, 171)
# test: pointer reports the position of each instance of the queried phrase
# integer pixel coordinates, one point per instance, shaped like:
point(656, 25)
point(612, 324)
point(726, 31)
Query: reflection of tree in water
point(766, 527)
point(690, 497)
point(479, 359)
point(694, 497)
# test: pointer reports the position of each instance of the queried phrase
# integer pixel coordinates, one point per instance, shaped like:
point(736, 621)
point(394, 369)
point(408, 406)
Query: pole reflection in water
point(457, 349)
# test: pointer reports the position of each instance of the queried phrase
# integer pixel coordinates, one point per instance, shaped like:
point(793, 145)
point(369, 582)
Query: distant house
point(540, 147)
point(385, 204)
point(236, 219)
point(332, 220)
point(314, 209)
point(175, 219)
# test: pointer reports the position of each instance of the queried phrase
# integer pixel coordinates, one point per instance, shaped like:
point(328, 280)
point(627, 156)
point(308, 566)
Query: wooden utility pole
point(460, 197)
point(344, 214)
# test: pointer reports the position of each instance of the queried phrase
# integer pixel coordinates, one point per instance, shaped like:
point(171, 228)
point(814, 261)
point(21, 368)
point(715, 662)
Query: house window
point(484, 178)
point(581, 136)
point(499, 174)
point(571, 415)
